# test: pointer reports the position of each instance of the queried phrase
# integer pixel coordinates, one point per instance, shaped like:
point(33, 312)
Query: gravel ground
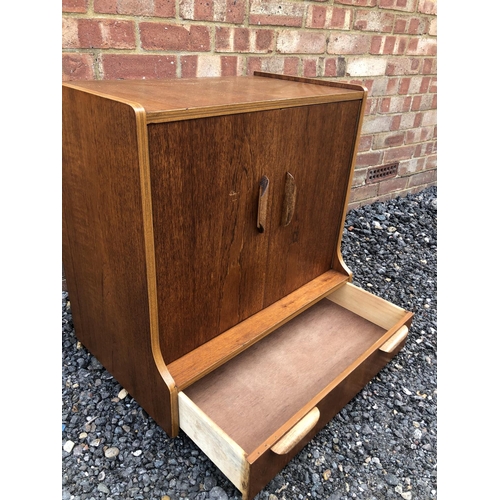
point(382, 445)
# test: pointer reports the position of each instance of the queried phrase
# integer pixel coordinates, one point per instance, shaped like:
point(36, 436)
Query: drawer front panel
point(266, 466)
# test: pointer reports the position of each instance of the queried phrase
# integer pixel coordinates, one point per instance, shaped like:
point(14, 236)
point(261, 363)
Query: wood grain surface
point(214, 267)
point(104, 253)
point(188, 98)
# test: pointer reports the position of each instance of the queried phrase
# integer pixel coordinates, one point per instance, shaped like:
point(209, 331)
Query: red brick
point(404, 5)
point(391, 185)
point(433, 85)
point(359, 177)
point(276, 13)
point(377, 124)
point(316, 16)
point(229, 65)
point(400, 153)
point(358, 3)
point(291, 66)
point(372, 106)
point(429, 66)
point(135, 66)
point(427, 7)
point(349, 44)
point(365, 143)
point(274, 64)
point(404, 86)
point(243, 40)
point(363, 193)
point(106, 33)
point(188, 66)
point(411, 136)
point(223, 39)
point(426, 177)
point(160, 36)
point(330, 67)
point(310, 67)
point(395, 104)
point(340, 18)
point(106, 6)
point(383, 45)
point(75, 5)
point(431, 162)
point(411, 166)
point(366, 20)
point(369, 159)
point(389, 140)
point(70, 33)
point(157, 8)
point(396, 122)
point(415, 105)
point(319, 16)
point(77, 66)
point(295, 42)
point(403, 66)
point(164, 8)
point(422, 47)
point(264, 40)
point(225, 11)
point(208, 65)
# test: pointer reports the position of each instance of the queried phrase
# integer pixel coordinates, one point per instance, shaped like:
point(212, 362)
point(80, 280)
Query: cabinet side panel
point(103, 245)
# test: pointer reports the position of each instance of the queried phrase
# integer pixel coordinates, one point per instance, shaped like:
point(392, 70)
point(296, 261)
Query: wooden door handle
point(262, 208)
point(296, 433)
point(289, 200)
point(395, 340)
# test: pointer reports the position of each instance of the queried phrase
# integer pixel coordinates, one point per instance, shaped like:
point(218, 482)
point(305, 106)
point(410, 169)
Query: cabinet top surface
point(165, 100)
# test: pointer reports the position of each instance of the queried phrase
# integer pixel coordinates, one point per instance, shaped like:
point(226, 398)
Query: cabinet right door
point(315, 145)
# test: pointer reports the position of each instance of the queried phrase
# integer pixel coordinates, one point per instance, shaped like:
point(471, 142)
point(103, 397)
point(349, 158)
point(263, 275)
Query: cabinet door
point(316, 145)
point(214, 268)
point(210, 257)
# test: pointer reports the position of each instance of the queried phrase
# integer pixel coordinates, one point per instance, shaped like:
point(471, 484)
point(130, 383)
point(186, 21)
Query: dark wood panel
point(315, 145)
point(211, 259)
point(103, 245)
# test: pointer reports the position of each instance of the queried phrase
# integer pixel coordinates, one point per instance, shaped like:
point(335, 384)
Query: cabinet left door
point(210, 256)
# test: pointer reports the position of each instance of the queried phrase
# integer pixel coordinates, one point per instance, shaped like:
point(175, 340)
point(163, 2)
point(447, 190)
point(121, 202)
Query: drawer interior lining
point(255, 393)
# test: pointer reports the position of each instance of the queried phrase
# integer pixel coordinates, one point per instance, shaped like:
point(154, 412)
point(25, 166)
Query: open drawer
point(253, 414)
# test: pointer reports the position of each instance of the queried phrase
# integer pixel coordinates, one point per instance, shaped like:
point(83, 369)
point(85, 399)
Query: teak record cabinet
point(202, 221)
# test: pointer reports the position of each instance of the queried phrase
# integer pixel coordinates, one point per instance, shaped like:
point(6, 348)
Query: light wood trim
point(233, 109)
point(297, 433)
point(147, 215)
point(214, 442)
point(338, 261)
point(209, 356)
point(395, 340)
point(367, 305)
point(313, 81)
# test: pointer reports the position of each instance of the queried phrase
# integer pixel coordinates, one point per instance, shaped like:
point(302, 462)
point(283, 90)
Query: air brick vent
point(377, 174)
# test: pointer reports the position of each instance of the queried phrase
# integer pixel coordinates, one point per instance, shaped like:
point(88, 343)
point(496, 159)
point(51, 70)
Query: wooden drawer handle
point(262, 209)
point(296, 433)
point(289, 200)
point(395, 340)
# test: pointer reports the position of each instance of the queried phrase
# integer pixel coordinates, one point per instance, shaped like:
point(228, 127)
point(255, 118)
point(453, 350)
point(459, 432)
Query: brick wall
point(389, 46)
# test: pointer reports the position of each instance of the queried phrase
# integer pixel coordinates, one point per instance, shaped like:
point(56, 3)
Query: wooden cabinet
point(202, 221)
